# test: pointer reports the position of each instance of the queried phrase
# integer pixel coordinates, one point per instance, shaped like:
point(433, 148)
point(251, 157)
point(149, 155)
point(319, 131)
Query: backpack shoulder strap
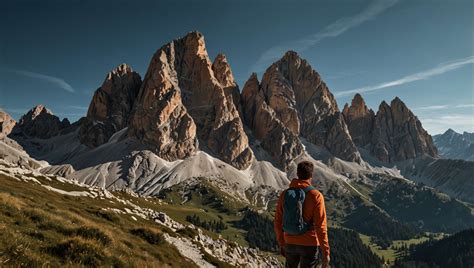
point(309, 188)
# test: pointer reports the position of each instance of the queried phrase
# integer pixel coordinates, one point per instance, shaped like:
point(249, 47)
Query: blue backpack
point(293, 222)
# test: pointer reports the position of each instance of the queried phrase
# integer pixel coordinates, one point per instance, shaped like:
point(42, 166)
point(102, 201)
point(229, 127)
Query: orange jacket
point(314, 211)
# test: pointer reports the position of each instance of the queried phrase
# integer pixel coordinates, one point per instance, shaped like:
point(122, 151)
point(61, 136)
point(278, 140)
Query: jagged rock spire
point(296, 95)
point(360, 120)
point(110, 106)
point(181, 73)
point(41, 123)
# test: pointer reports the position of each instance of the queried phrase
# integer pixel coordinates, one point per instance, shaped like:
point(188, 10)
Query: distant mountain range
point(454, 145)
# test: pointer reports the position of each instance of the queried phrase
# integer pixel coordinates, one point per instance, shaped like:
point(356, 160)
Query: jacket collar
point(296, 183)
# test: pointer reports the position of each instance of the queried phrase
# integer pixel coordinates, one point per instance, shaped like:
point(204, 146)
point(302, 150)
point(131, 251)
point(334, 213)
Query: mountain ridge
point(455, 145)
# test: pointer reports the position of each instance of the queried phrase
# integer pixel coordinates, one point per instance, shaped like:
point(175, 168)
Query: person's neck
point(308, 179)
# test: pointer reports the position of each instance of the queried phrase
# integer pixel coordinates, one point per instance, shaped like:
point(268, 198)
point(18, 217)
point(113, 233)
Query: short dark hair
point(305, 170)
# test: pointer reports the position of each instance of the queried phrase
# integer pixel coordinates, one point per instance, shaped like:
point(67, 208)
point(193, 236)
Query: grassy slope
point(209, 203)
point(38, 226)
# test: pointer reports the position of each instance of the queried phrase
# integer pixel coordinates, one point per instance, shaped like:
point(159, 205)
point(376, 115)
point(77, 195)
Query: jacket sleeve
point(320, 224)
point(278, 222)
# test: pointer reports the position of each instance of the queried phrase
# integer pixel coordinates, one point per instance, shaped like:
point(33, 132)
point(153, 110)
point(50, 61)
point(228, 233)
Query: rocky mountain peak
point(222, 71)
point(250, 94)
point(40, 122)
point(393, 134)
point(360, 120)
point(358, 108)
point(454, 145)
point(293, 97)
point(223, 74)
point(399, 110)
point(275, 138)
point(110, 106)
point(398, 134)
point(6, 123)
point(181, 74)
point(35, 112)
point(450, 131)
point(119, 71)
point(291, 56)
point(358, 101)
point(303, 102)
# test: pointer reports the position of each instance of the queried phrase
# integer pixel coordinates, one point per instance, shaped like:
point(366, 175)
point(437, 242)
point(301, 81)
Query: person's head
point(304, 170)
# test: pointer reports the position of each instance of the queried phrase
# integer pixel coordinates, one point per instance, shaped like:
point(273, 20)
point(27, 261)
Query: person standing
point(300, 222)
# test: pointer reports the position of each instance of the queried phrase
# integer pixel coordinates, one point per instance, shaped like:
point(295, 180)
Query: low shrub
point(92, 233)
point(78, 252)
point(148, 235)
point(191, 233)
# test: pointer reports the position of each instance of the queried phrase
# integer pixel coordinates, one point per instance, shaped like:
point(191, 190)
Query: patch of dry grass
point(43, 228)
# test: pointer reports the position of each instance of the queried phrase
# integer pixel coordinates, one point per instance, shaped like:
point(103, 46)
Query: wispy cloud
point(458, 122)
point(332, 30)
point(440, 69)
point(51, 79)
point(446, 106)
point(469, 105)
point(432, 107)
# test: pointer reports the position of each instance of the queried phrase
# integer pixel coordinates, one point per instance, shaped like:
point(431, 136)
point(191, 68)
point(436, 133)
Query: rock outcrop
point(398, 134)
point(111, 106)
point(41, 123)
point(279, 141)
point(393, 134)
point(360, 121)
point(223, 74)
point(159, 117)
point(6, 123)
point(182, 71)
point(294, 94)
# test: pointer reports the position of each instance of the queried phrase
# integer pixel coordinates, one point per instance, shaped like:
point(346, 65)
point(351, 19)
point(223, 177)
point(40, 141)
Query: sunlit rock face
point(293, 98)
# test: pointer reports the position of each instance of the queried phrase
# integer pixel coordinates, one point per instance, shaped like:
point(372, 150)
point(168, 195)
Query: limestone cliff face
point(296, 96)
point(279, 141)
point(40, 122)
point(6, 123)
point(184, 69)
point(360, 121)
point(398, 134)
point(223, 74)
point(111, 106)
point(393, 134)
point(159, 117)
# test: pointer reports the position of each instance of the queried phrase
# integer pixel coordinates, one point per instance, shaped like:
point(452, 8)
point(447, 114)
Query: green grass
point(148, 235)
point(392, 252)
point(209, 203)
point(41, 227)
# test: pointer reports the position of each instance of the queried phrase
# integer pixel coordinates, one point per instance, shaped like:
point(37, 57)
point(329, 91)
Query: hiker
point(300, 221)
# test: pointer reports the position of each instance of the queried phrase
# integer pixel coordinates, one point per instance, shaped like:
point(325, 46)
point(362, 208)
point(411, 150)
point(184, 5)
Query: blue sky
point(58, 52)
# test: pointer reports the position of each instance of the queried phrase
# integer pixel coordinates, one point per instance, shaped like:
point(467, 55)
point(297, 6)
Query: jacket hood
point(297, 183)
